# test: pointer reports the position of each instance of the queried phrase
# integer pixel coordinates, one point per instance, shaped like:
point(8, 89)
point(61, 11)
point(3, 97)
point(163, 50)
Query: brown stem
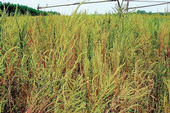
point(127, 5)
point(9, 93)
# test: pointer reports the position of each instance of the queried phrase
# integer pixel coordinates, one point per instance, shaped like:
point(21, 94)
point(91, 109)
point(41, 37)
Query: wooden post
point(127, 5)
point(38, 7)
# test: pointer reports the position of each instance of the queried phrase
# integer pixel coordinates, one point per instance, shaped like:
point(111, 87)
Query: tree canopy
point(22, 9)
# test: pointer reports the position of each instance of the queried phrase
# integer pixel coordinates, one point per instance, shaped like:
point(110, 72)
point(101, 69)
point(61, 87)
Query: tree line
point(12, 9)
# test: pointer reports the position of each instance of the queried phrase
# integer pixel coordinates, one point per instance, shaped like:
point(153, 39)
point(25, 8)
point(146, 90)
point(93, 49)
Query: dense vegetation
point(23, 10)
point(85, 63)
point(150, 13)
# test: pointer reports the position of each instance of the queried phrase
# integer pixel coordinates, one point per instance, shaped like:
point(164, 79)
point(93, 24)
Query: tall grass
point(85, 63)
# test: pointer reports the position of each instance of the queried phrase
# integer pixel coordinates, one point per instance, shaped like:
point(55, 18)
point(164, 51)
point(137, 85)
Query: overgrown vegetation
point(23, 10)
point(85, 63)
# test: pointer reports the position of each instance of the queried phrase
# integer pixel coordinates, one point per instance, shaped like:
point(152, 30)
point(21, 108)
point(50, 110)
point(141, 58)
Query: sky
point(100, 8)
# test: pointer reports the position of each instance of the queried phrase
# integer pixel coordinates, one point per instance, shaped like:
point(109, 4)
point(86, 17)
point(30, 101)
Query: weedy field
point(85, 64)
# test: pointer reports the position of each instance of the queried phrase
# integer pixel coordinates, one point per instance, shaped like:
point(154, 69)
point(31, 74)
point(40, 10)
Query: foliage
point(21, 9)
point(150, 13)
point(84, 63)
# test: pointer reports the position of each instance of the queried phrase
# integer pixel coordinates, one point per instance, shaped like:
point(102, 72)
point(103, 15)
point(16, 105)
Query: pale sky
point(100, 8)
